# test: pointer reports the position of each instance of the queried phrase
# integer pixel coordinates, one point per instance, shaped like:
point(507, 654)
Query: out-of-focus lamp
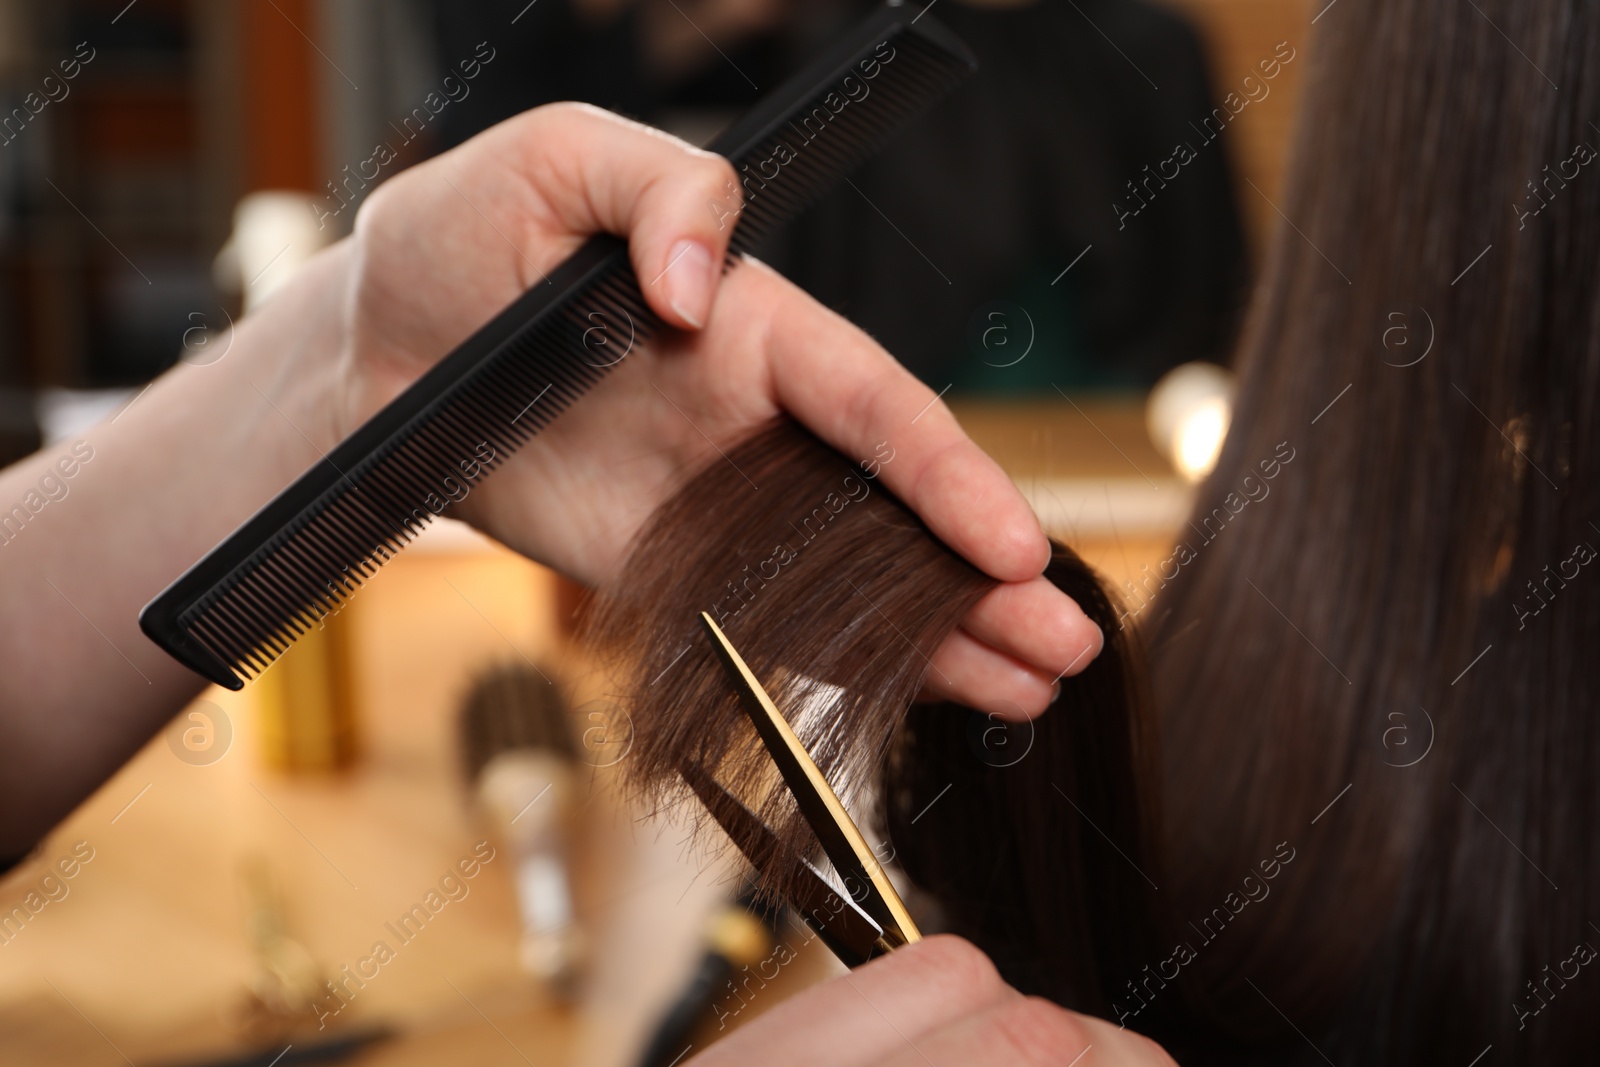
point(1187, 415)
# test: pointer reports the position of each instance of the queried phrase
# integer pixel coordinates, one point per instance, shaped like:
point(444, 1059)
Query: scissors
point(868, 919)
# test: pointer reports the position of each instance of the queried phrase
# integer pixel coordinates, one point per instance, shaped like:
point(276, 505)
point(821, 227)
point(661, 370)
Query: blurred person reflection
point(952, 247)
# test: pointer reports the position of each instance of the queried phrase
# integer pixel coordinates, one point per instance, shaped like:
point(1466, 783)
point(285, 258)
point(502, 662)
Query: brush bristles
point(512, 706)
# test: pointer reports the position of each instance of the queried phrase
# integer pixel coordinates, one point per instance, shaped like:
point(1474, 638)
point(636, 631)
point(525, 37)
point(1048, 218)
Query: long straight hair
point(1387, 663)
point(1364, 834)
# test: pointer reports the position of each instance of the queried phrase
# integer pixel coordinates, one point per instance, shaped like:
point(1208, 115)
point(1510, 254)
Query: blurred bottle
point(307, 699)
point(306, 703)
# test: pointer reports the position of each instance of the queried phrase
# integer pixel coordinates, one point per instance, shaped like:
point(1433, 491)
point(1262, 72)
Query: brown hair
point(1385, 663)
point(828, 586)
point(837, 595)
point(1369, 656)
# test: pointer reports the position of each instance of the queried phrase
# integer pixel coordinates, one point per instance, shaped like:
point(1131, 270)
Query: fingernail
point(689, 279)
point(1055, 692)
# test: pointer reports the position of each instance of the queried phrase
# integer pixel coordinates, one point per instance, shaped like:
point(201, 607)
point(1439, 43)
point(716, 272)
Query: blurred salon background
point(1062, 249)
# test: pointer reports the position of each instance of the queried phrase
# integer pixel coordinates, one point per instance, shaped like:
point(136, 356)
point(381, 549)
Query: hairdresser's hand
point(939, 1001)
point(444, 246)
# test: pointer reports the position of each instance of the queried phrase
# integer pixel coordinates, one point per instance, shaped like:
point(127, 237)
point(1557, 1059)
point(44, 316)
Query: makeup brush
point(520, 758)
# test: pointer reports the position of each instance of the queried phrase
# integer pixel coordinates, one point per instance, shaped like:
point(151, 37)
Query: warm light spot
point(1188, 413)
point(1198, 439)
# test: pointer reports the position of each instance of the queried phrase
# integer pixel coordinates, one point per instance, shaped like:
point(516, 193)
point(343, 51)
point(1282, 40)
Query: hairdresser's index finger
point(839, 382)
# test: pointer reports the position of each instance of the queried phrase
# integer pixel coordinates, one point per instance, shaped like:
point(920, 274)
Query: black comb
point(294, 562)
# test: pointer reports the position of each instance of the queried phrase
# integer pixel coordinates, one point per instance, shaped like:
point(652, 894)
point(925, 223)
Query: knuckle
point(378, 205)
point(1040, 1032)
point(712, 178)
point(717, 171)
point(565, 113)
point(549, 127)
point(961, 963)
point(1150, 1052)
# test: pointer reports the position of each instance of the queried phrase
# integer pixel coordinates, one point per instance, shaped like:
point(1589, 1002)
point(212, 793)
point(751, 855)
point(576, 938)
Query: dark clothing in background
point(950, 246)
point(1005, 183)
point(548, 54)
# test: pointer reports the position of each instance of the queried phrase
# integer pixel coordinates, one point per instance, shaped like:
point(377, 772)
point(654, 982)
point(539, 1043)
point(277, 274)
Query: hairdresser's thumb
point(681, 237)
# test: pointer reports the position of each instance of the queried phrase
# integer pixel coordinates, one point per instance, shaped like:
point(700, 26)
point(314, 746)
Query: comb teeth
point(300, 559)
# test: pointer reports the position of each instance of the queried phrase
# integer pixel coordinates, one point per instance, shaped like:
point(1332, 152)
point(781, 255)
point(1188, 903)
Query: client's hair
point(1416, 577)
point(836, 595)
point(1378, 738)
point(832, 591)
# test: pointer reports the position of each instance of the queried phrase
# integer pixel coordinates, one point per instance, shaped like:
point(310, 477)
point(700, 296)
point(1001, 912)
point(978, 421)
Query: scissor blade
point(848, 931)
point(840, 839)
